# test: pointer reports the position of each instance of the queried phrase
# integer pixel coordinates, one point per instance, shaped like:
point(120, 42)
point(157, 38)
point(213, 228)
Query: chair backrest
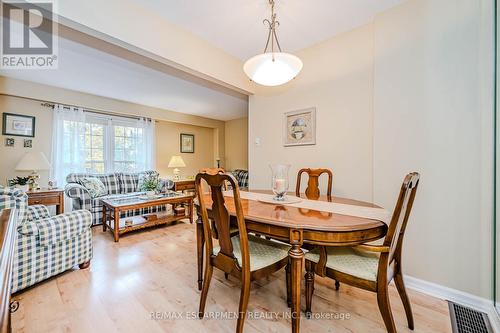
point(215, 171)
point(216, 181)
point(399, 220)
point(312, 190)
point(212, 171)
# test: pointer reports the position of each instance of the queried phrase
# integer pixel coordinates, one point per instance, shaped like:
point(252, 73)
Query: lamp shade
point(272, 69)
point(33, 162)
point(176, 162)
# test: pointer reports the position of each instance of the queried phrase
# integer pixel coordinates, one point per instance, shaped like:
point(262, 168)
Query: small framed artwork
point(9, 142)
point(18, 125)
point(187, 143)
point(28, 143)
point(299, 127)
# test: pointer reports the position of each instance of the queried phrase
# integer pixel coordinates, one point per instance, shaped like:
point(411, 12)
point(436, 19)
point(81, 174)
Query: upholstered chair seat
point(348, 260)
point(263, 252)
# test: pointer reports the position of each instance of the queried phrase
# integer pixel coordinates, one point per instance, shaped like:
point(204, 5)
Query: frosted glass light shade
point(268, 72)
point(176, 162)
point(33, 162)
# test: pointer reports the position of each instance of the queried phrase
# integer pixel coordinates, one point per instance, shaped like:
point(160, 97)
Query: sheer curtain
point(90, 142)
point(68, 142)
point(146, 155)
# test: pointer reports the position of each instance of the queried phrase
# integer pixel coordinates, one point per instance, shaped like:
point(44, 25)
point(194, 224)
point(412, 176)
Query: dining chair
point(312, 189)
point(233, 230)
point(370, 267)
point(313, 193)
point(244, 256)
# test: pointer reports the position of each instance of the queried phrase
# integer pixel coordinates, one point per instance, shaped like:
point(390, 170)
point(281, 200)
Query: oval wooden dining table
point(297, 226)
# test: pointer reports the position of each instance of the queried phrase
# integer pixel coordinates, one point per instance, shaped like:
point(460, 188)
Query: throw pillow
point(149, 181)
point(95, 186)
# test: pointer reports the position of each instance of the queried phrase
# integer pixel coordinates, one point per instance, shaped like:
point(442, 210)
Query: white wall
point(337, 80)
point(409, 92)
point(236, 134)
point(428, 117)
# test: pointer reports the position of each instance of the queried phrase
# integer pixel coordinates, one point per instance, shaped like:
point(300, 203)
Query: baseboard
point(494, 320)
point(457, 296)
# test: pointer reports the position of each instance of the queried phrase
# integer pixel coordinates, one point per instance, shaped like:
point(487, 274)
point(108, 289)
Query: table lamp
point(33, 162)
point(176, 162)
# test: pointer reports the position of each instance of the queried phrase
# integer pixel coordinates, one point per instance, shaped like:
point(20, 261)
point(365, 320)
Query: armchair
point(46, 245)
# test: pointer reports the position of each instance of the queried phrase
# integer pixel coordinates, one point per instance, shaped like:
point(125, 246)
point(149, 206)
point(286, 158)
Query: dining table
point(297, 226)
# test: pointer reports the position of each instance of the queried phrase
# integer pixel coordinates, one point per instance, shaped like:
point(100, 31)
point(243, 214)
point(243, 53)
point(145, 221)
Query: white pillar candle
point(279, 185)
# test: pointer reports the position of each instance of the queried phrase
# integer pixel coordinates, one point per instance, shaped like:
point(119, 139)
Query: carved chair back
point(395, 234)
point(312, 190)
point(214, 171)
point(225, 259)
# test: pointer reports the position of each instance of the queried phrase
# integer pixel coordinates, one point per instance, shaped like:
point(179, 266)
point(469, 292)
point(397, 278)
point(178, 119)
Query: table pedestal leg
point(200, 240)
point(296, 257)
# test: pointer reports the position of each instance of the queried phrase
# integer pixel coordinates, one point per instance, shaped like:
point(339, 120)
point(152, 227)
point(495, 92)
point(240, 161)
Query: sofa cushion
point(94, 186)
point(129, 182)
point(110, 180)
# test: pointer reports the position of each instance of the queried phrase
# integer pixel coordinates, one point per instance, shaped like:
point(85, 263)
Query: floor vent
point(467, 320)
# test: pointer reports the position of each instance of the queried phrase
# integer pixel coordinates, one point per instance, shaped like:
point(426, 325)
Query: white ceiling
point(236, 25)
point(232, 25)
point(88, 70)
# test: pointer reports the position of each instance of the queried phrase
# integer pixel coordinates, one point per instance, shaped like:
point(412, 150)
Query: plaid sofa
point(118, 185)
point(242, 178)
point(45, 245)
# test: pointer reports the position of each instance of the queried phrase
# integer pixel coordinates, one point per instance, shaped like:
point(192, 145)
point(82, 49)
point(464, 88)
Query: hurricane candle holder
point(279, 180)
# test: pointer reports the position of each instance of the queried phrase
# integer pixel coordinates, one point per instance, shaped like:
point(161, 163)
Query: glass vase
point(279, 180)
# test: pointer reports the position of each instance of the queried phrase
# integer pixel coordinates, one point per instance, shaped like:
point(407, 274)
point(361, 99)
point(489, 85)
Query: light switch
point(257, 141)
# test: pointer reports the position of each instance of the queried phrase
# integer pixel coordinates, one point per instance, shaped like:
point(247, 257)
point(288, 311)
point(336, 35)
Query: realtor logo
point(29, 38)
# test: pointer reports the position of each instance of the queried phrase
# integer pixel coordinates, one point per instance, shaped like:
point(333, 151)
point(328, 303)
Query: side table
point(54, 197)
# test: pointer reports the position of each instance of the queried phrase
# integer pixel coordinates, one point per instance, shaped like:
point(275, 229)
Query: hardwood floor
point(134, 285)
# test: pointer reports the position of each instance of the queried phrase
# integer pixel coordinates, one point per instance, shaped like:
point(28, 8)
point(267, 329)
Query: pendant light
point(272, 68)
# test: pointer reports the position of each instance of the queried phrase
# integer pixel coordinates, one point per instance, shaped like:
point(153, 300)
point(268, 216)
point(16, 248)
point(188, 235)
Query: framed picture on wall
point(299, 127)
point(18, 125)
point(187, 143)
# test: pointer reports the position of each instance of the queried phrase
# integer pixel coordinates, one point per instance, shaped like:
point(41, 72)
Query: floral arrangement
point(150, 183)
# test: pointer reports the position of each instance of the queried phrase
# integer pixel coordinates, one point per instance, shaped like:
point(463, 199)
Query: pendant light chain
point(272, 36)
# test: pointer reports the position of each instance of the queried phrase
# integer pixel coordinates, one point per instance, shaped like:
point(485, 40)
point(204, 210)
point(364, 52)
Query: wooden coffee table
point(112, 208)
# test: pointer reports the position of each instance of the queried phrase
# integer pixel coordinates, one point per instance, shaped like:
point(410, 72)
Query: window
point(94, 148)
point(95, 143)
point(127, 143)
